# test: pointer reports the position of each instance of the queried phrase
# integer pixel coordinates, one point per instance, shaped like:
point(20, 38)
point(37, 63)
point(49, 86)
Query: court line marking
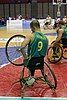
point(6, 64)
point(48, 98)
point(14, 40)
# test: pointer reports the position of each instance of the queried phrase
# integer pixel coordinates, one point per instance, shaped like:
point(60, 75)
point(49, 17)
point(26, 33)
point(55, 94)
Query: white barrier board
point(24, 24)
point(14, 24)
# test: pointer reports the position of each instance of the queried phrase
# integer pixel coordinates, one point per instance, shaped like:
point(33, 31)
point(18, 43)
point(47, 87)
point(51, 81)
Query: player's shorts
point(64, 42)
point(35, 63)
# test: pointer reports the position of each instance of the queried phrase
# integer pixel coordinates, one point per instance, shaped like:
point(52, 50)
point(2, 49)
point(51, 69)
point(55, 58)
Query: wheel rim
point(12, 53)
point(50, 76)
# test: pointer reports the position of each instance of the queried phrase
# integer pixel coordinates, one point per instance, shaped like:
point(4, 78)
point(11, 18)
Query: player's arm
point(60, 33)
point(26, 41)
point(24, 44)
point(59, 36)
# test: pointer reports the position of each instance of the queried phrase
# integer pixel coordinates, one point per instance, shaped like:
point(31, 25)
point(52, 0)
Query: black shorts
point(64, 42)
point(36, 63)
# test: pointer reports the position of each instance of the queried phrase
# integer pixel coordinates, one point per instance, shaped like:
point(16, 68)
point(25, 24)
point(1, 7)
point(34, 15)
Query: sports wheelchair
point(56, 53)
point(16, 58)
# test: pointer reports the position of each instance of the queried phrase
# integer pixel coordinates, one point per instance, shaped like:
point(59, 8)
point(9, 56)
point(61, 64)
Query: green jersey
point(38, 46)
point(65, 32)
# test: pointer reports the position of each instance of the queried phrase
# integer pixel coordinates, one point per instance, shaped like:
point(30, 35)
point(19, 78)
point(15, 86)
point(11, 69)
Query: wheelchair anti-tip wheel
point(54, 54)
point(11, 49)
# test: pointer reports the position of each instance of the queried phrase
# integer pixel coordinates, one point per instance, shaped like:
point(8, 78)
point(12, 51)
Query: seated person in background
point(65, 19)
point(48, 19)
point(37, 47)
point(56, 22)
point(47, 24)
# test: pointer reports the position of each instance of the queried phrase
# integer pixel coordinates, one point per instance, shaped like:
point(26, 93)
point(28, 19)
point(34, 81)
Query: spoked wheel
point(50, 77)
point(54, 54)
point(11, 49)
point(65, 52)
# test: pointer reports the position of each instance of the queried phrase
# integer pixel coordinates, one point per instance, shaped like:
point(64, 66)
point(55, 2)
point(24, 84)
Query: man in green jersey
point(61, 33)
point(37, 47)
point(64, 36)
point(61, 36)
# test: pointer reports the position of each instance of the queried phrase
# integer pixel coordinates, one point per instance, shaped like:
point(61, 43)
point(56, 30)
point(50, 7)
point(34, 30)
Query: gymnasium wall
point(41, 10)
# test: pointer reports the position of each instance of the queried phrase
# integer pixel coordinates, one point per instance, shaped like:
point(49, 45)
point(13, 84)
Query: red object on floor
point(9, 74)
